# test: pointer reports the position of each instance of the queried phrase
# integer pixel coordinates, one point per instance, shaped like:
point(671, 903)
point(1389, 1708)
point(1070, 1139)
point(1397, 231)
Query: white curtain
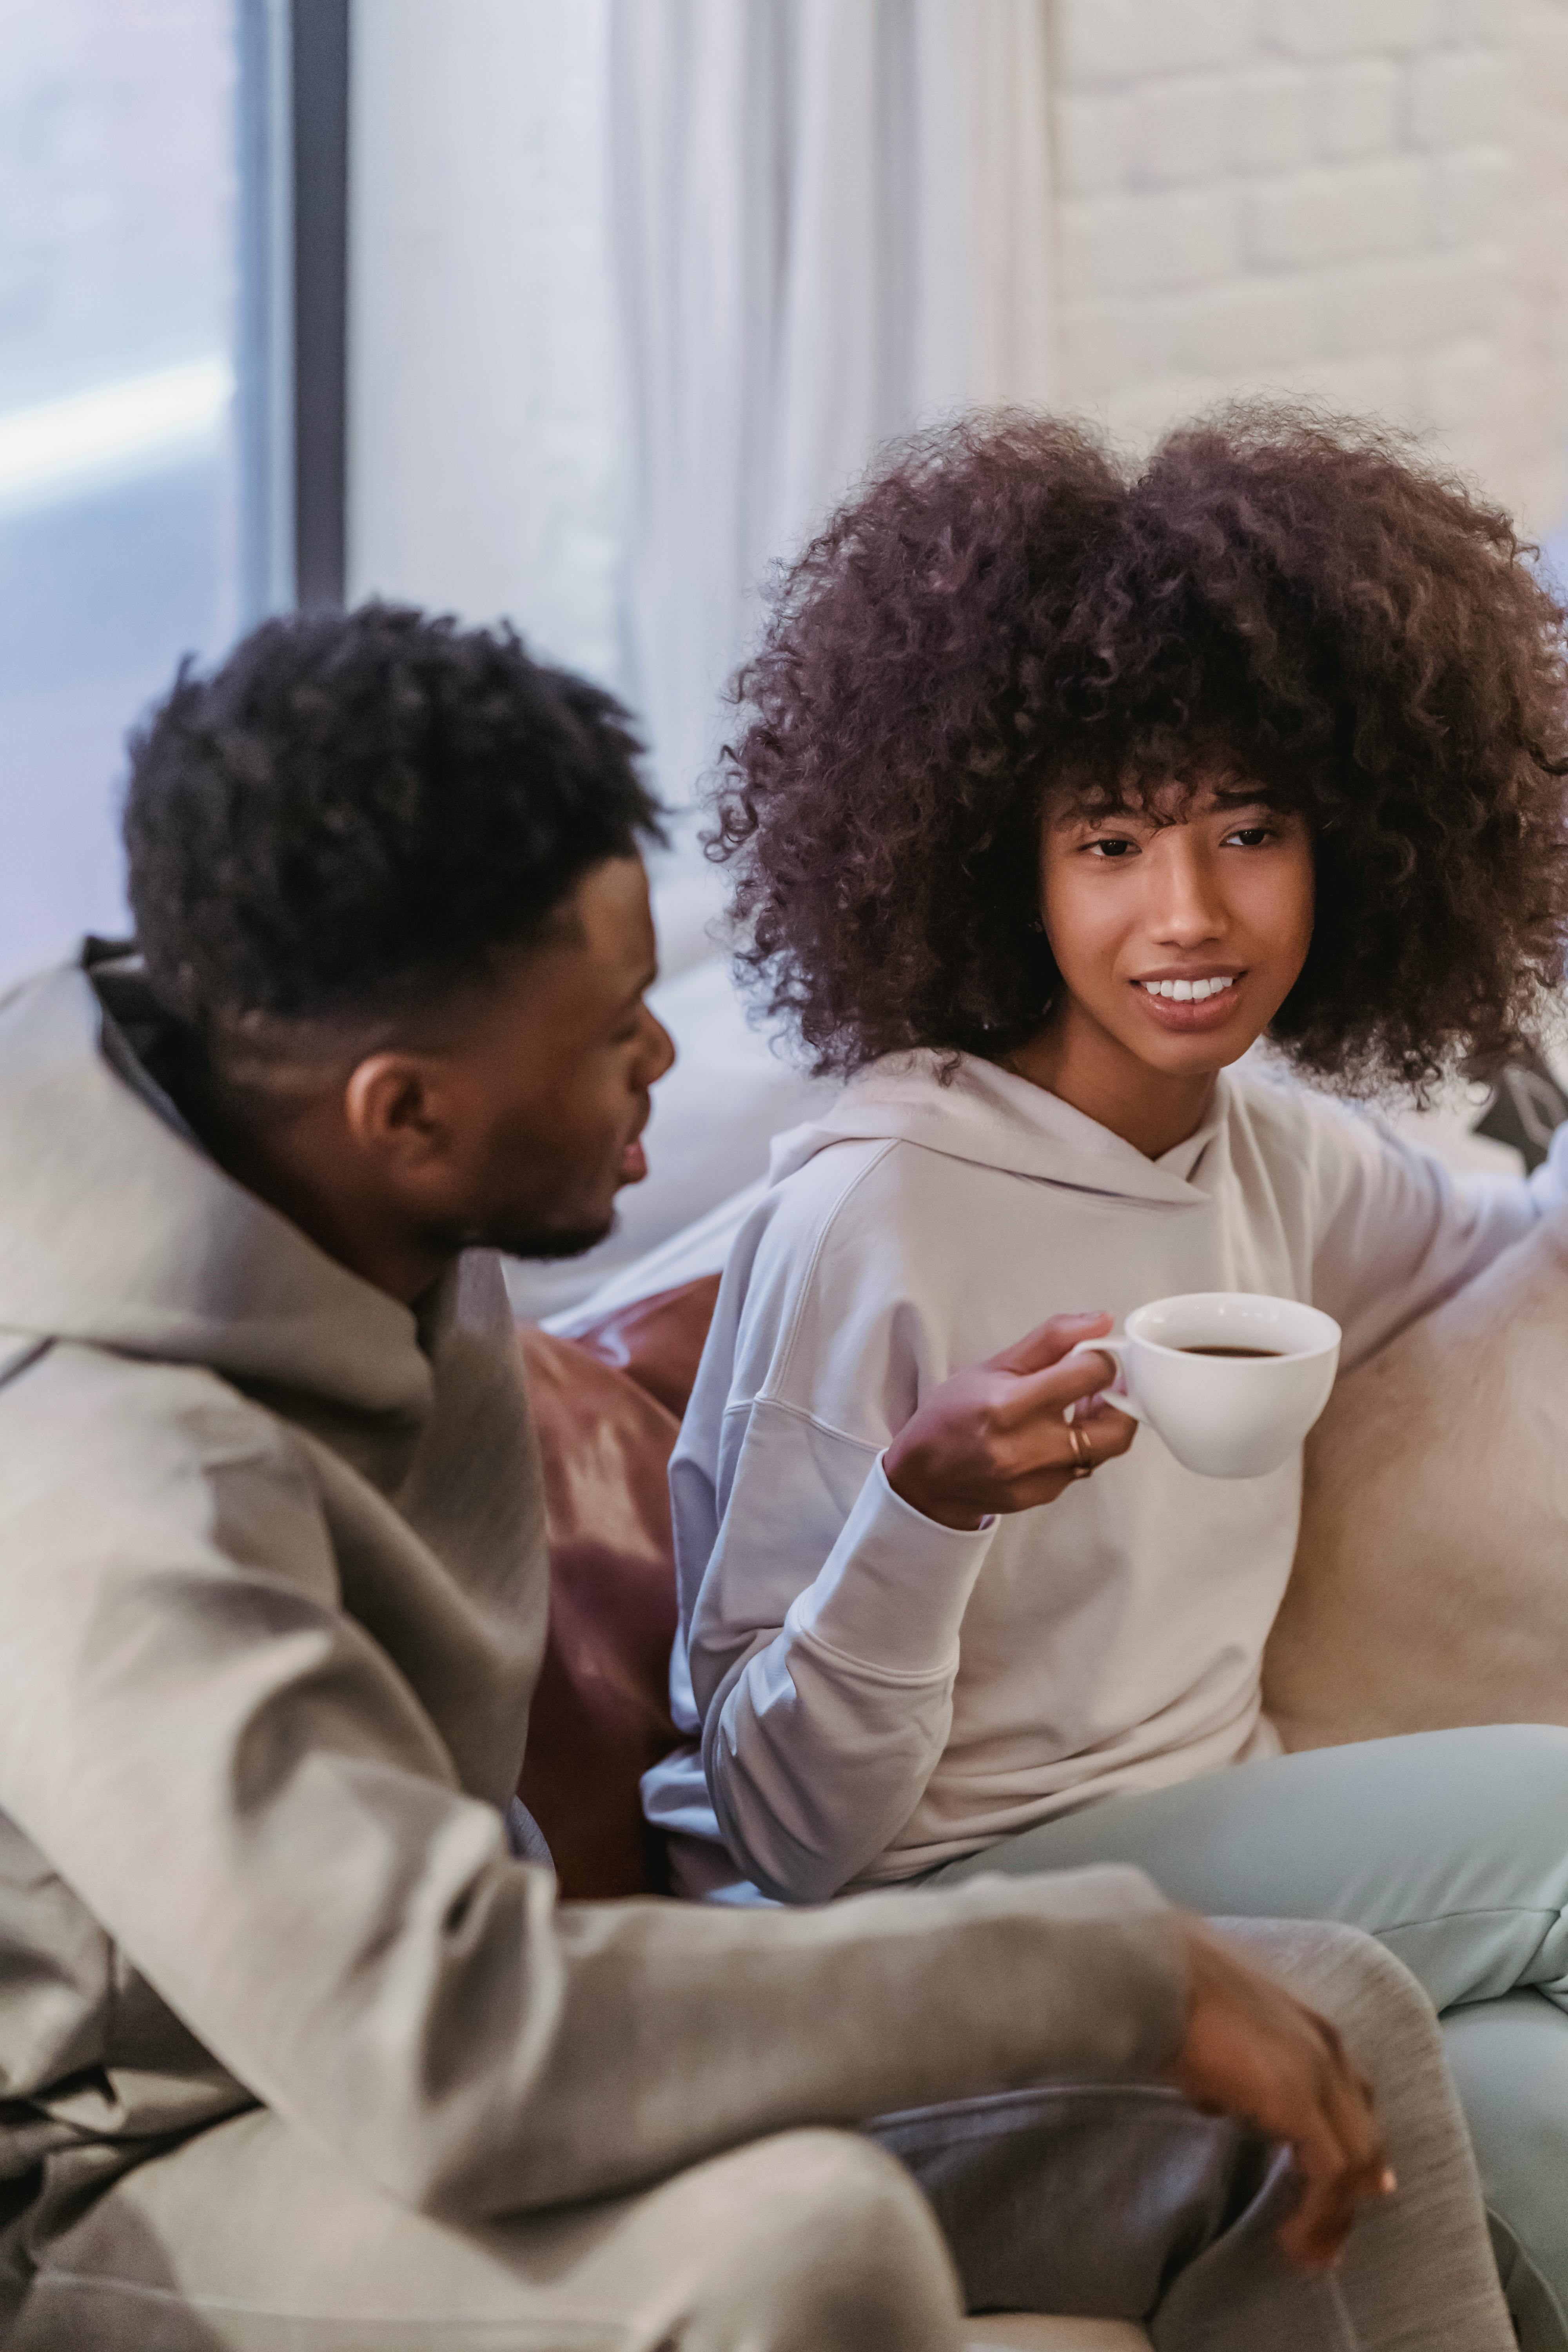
point(639, 285)
point(486, 442)
point(832, 222)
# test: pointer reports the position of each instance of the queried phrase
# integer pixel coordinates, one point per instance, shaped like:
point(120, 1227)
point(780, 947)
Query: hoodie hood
point(117, 1229)
point(986, 1115)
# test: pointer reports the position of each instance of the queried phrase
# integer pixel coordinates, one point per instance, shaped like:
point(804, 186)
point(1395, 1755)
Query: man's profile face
point(548, 1091)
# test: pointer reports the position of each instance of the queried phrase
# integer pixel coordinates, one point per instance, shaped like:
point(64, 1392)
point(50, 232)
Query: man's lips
point(633, 1162)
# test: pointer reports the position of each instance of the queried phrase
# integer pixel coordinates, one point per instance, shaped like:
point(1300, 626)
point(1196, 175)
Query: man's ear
point(391, 1107)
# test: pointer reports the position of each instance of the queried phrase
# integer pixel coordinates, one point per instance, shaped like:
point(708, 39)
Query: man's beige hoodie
point(274, 1589)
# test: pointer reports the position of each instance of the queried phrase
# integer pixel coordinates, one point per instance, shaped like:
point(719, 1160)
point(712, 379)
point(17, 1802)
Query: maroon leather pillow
point(606, 1406)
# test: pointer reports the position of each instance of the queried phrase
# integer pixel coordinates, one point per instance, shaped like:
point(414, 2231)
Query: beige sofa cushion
point(1431, 1580)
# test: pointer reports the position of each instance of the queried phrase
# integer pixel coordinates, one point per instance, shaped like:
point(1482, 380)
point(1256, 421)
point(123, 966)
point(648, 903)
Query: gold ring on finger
point(1082, 1452)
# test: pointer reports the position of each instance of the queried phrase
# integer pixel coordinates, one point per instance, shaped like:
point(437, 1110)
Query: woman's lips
point(1183, 1016)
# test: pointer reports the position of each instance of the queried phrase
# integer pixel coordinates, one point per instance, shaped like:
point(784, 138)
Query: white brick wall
point(1362, 199)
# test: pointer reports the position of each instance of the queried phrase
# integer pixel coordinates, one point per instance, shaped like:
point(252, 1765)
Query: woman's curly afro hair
point(1006, 612)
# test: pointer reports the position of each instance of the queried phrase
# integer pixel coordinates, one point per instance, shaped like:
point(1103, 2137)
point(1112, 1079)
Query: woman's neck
point(1075, 1059)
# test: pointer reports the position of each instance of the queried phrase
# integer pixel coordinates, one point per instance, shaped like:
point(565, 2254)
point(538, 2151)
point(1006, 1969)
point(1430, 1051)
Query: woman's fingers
point(1108, 1432)
point(1048, 1459)
point(1032, 1415)
point(994, 1438)
point(1049, 1341)
point(1052, 1389)
point(1034, 1450)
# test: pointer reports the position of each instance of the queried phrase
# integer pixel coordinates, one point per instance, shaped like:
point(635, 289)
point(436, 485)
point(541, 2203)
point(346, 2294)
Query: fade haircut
point(358, 812)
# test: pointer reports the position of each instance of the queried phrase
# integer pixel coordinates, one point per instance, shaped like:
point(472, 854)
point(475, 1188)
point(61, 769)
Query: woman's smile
point(1194, 1001)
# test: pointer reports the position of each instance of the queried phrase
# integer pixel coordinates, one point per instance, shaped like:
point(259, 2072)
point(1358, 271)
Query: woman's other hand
point(997, 1438)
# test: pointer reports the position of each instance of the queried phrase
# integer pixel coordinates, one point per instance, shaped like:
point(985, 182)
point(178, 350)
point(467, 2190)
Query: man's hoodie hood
point(970, 1109)
point(117, 1229)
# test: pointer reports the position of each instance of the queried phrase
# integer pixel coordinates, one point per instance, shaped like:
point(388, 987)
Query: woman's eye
point(1113, 845)
point(1251, 837)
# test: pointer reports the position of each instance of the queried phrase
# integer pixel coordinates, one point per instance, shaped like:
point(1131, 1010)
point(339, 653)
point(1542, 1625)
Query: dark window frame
point(319, 94)
point(292, 338)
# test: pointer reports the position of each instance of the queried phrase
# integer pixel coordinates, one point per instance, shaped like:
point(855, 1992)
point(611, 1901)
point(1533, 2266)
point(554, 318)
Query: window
point(136, 517)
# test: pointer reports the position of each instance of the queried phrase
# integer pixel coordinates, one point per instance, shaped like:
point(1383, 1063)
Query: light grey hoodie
point(273, 1584)
point(870, 1693)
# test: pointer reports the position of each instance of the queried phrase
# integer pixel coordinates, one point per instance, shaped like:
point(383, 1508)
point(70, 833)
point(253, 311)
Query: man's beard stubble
point(522, 1241)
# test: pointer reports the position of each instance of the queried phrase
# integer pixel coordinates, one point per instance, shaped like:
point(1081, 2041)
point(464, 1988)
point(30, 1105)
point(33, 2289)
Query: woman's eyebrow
point(1228, 803)
point(1104, 813)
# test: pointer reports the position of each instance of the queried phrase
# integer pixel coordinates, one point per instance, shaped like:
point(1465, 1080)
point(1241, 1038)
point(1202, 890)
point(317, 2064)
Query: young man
point(294, 2048)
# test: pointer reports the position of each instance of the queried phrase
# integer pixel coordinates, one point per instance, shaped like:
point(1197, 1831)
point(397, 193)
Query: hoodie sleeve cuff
point(892, 1591)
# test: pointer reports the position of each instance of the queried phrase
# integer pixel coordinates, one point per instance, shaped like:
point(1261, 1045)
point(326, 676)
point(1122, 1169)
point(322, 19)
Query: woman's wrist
point(909, 1477)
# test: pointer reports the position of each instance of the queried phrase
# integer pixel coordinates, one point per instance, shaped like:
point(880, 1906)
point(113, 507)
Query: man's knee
point(835, 2244)
point(1322, 1959)
point(1377, 2006)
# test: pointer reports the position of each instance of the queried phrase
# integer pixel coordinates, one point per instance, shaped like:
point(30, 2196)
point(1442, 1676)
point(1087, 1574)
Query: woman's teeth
point(1188, 991)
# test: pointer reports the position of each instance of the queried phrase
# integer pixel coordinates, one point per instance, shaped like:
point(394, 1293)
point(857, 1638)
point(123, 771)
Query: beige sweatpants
point(1118, 2200)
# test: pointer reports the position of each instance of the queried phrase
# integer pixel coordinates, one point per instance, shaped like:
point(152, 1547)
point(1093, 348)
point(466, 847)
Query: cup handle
point(1117, 1350)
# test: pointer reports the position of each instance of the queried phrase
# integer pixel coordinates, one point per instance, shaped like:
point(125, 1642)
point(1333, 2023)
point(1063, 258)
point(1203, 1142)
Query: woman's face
point(1180, 937)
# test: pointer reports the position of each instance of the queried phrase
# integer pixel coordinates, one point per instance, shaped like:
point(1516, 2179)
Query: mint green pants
point(1452, 1848)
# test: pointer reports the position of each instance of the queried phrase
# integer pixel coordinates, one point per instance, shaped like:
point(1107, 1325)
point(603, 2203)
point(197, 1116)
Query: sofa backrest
point(1430, 1586)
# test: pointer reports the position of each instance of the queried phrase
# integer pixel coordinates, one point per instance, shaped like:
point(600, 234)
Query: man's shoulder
point(97, 1423)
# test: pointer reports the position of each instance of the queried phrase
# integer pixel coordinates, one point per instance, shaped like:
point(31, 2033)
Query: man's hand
point(996, 1438)
point(1253, 2050)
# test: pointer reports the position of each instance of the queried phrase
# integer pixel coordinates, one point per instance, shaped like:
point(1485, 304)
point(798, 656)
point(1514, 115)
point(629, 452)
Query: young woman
point(1060, 791)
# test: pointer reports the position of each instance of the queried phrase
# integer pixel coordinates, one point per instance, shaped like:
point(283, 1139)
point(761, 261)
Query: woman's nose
point(1189, 909)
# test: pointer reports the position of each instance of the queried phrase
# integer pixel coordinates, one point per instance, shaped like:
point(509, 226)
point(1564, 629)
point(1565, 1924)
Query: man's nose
point(661, 1050)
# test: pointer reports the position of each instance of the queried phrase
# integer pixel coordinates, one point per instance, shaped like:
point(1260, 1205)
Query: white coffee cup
point(1225, 1415)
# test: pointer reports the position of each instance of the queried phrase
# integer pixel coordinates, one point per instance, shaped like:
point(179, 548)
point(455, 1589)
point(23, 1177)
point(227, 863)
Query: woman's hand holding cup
point(997, 1438)
point(1232, 1380)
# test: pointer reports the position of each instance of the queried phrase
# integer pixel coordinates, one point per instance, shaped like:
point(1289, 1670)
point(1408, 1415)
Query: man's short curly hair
point(358, 809)
point(1006, 612)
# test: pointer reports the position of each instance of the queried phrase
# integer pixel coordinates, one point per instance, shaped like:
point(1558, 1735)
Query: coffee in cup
point(1231, 1380)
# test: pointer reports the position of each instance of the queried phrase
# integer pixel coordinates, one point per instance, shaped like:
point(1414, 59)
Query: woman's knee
point(1527, 1755)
